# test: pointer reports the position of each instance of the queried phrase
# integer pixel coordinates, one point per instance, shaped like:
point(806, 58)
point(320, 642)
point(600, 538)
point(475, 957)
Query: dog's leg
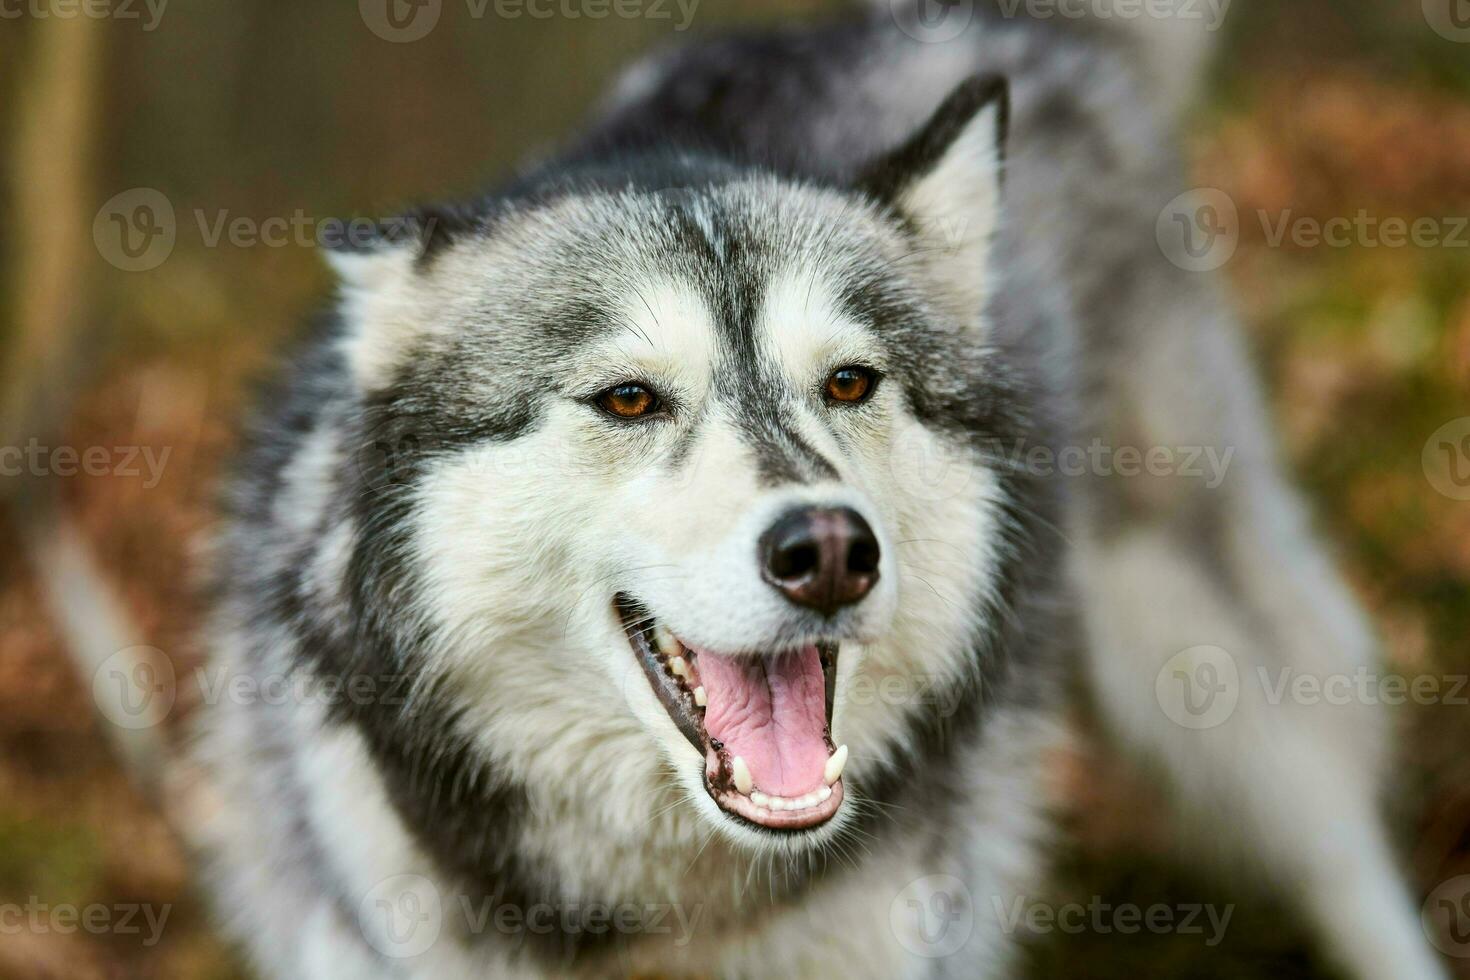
point(1224, 561)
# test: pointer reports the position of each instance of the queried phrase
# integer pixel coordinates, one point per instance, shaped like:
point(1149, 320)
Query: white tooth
point(700, 698)
point(833, 770)
point(760, 799)
point(664, 642)
point(741, 772)
point(809, 799)
point(679, 667)
point(824, 794)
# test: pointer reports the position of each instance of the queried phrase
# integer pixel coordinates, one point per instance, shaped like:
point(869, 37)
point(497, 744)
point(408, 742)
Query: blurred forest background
point(260, 110)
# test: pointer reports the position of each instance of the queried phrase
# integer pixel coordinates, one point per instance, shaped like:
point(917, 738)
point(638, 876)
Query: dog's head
point(688, 459)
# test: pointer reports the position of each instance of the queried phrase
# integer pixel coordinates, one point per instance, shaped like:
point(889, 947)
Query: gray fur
point(717, 174)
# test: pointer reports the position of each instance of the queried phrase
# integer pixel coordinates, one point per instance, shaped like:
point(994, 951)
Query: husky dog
point(657, 576)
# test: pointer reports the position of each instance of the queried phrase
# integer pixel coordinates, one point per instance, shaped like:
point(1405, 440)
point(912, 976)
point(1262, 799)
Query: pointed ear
point(367, 253)
point(944, 183)
point(372, 267)
point(378, 264)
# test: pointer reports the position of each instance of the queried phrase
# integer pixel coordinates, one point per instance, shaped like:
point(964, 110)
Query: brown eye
point(850, 384)
point(628, 401)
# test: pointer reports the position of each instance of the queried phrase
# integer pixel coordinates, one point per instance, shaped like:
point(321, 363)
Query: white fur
point(957, 206)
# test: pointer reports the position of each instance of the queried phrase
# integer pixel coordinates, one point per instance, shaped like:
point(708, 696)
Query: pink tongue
point(772, 712)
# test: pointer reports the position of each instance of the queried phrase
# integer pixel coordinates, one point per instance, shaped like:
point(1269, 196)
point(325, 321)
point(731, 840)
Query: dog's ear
point(379, 264)
point(367, 253)
point(944, 183)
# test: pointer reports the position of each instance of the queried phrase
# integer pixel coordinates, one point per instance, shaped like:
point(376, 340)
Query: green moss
point(55, 860)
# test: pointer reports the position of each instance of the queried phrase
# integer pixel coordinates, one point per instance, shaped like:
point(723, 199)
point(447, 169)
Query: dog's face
point(695, 470)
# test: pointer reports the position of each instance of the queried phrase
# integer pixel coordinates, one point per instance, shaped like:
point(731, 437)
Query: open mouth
point(760, 721)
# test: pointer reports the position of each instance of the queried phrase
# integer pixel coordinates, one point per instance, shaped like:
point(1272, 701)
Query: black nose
point(821, 558)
